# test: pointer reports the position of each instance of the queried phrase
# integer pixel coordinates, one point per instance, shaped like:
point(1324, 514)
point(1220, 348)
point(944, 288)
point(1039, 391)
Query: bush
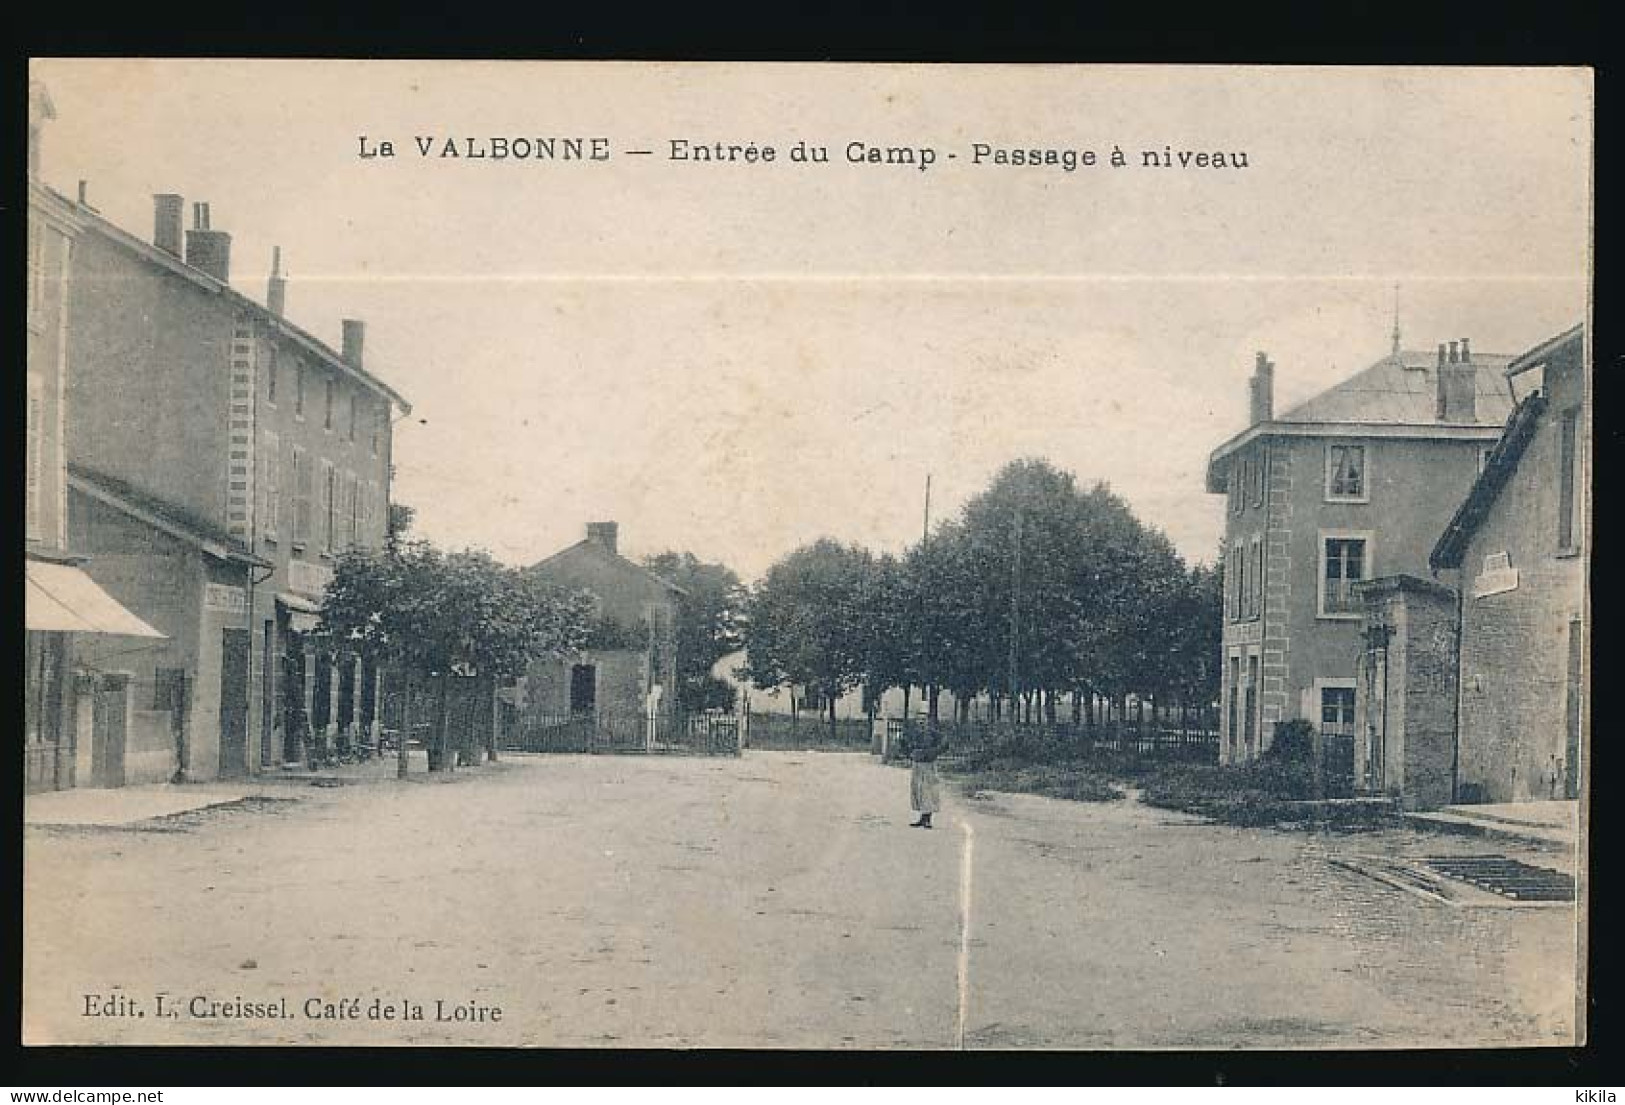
point(1294, 742)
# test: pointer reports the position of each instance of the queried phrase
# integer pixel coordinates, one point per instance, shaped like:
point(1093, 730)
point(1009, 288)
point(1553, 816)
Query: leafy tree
point(710, 625)
point(435, 613)
point(809, 621)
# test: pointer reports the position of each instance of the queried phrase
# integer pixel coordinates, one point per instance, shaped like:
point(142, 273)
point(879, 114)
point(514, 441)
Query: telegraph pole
point(925, 534)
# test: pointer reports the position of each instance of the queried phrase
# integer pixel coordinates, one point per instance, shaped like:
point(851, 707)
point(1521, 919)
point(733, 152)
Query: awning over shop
point(63, 599)
point(302, 613)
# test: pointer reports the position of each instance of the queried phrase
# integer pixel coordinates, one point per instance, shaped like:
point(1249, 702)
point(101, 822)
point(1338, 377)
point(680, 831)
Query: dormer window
point(1346, 474)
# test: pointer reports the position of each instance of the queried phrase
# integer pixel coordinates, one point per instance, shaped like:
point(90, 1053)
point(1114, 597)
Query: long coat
point(924, 792)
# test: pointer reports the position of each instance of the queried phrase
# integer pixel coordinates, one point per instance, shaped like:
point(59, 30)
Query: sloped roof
point(1402, 389)
point(1498, 469)
point(312, 344)
point(1395, 397)
point(591, 545)
point(173, 518)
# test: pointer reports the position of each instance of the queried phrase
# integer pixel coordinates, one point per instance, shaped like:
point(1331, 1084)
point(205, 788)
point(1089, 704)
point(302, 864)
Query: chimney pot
point(1261, 390)
point(1441, 353)
point(1457, 389)
point(166, 222)
point(1466, 354)
point(207, 249)
point(355, 334)
point(84, 193)
point(276, 291)
point(604, 533)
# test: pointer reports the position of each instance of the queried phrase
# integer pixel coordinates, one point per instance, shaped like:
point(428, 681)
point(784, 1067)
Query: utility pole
point(926, 647)
point(925, 534)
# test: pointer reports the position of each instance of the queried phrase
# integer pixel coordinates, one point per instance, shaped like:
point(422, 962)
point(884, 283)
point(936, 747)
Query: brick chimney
point(355, 333)
point(166, 223)
point(1458, 384)
point(207, 249)
point(605, 534)
point(40, 111)
point(276, 289)
point(1262, 391)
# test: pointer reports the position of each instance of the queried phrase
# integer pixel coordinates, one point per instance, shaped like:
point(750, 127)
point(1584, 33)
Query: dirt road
point(777, 900)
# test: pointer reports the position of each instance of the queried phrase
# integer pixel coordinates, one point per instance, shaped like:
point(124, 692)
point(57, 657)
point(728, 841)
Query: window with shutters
point(36, 275)
point(352, 507)
point(329, 506)
point(1255, 577)
point(331, 391)
point(302, 494)
point(36, 451)
point(271, 374)
point(270, 485)
point(1568, 482)
point(370, 515)
point(354, 412)
point(299, 390)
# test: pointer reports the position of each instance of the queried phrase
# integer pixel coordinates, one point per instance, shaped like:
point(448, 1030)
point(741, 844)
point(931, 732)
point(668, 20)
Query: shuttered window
point(270, 485)
point(302, 492)
point(1568, 483)
point(329, 505)
point(36, 449)
point(352, 507)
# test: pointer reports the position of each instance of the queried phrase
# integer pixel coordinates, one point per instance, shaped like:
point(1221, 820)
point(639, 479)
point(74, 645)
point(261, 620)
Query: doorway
point(109, 719)
point(233, 703)
point(583, 689)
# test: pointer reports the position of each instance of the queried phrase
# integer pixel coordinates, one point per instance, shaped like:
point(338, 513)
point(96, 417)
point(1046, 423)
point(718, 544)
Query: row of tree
point(434, 616)
point(1039, 591)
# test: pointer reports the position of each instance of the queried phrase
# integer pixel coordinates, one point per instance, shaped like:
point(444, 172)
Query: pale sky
point(734, 359)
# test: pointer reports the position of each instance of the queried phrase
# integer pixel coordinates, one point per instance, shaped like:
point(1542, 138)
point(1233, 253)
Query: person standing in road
point(923, 790)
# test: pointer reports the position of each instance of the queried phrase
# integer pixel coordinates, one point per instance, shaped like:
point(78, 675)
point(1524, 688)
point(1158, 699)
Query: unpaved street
point(776, 900)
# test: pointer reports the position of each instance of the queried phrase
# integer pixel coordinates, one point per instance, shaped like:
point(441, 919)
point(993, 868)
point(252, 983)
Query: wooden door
point(109, 723)
point(233, 702)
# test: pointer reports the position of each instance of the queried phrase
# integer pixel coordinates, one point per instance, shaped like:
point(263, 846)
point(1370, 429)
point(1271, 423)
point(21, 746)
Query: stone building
point(629, 668)
point(1515, 550)
point(221, 458)
point(75, 715)
point(1345, 487)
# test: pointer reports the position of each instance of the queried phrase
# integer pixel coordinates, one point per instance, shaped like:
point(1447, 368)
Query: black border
point(1353, 32)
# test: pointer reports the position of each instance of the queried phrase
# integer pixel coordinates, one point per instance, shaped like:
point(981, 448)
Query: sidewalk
point(1548, 823)
point(128, 805)
point(86, 807)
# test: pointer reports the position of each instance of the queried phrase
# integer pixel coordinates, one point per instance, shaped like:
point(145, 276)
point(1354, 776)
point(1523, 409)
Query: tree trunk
point(832, 715)
point(406, 721)
point(496, 724)
point(932, 693)
point(908, 690)
point(441, 753)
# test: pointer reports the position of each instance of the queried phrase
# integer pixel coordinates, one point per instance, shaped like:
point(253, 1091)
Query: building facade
point(1515, 551)
point(73, 713)
point(221, 459)
point(1345, 487)
point(629, 669)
